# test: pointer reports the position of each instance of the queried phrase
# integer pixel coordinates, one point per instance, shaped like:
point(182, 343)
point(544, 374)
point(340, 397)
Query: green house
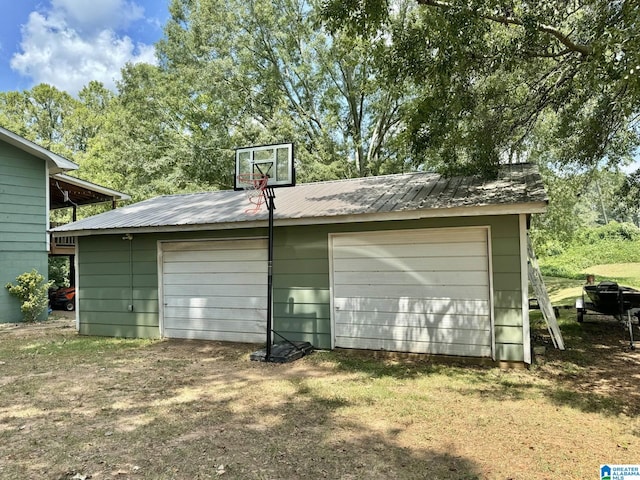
point(32, 183)
point(408, 263)
point(25, 169)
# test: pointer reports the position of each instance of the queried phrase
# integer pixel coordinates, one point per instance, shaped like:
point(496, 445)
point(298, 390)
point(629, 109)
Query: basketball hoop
point(253, 185)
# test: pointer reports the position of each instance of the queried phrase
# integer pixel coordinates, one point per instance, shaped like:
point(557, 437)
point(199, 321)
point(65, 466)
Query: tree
point(146, 143)
point(89, 116)
point(490, 71)
point(627, 197)
point(262, 71)
point(40, 115)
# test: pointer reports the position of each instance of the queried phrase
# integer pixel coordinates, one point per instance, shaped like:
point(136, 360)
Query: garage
point(423, 291)
point(412, 262)
point(214, 290)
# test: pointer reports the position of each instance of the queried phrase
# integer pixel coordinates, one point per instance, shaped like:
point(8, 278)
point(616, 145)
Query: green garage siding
point(23, 222)
point(112, 278)
point(115, 273)
point(301, 296)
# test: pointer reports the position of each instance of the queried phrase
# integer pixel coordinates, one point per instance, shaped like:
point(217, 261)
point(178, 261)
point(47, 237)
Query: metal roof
point(518, 189)
point(55, 162)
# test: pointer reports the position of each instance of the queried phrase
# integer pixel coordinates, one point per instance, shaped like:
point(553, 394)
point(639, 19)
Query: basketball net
point(254, 185)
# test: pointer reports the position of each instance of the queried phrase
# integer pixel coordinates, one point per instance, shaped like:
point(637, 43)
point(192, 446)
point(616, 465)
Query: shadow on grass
point(398, 366)
point(193, 410)
point(597, 371)
point(589, 402)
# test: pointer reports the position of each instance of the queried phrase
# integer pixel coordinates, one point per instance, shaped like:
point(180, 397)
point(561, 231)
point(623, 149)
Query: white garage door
point(423, 291)
point(215, 290)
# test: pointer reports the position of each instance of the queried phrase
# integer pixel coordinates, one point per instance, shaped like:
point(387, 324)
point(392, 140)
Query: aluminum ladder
point(537, 282)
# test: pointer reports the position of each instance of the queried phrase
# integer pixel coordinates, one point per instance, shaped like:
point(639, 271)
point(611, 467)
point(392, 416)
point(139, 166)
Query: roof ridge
point(389, 175)
point(320, 182)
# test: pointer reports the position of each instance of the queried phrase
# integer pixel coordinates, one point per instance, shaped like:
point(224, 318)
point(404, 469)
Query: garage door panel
point(220, 266)
point(228, 255)
point(399, 291)
point(216, 313)
point(214, 335)
point(211, 246)
point(230, 325)
point(415, 277)
point(215, 290)
point(391, 237)
point(462, 249)
point(390, 345)
point(213, 279)
point(464, 264)
point(225, 301)
point(413, 320)
point(414, 305)
point(425, 334)
point(199, 290)
point(415, 291)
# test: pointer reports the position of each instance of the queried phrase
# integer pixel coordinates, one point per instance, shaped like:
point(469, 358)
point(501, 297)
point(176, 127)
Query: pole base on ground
point(284, 352)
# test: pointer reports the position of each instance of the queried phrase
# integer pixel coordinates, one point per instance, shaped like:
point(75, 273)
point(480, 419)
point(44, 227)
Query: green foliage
point(32, 290)
point(488, 74)
point(252, 72)
point(578, 200)
point(59, 271)
point(366, 87)
point(546, 246)
point(613, 231)
point(40, 115)
point(627, 195)
point(608, 244)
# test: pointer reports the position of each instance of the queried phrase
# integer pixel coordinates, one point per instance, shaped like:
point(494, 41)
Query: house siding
point(23, 218)
point(301, 281)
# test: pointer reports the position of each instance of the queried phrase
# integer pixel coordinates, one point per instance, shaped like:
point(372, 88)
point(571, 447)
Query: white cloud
point(70, 45)
point(101, 15)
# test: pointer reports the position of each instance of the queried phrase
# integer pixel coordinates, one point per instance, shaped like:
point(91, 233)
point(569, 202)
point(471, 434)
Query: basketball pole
point(270, 197)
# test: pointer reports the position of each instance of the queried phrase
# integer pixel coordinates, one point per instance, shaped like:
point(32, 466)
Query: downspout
point(129, 237)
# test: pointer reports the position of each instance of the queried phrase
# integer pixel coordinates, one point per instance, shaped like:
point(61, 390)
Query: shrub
point(612, 243)
point(32, 291)
point(611, 231)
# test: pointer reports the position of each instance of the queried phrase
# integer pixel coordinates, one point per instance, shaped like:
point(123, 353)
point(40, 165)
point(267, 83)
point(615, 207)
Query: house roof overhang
point(55, 163)
point(66, 191)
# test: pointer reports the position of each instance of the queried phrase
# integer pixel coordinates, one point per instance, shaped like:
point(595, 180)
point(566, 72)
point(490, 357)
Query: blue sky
point(67, 43)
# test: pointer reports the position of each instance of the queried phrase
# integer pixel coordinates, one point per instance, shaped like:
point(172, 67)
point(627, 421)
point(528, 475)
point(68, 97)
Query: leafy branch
point(563, 38)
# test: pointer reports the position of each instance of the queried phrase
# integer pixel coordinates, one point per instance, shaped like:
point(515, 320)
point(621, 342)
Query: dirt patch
point(87, 407)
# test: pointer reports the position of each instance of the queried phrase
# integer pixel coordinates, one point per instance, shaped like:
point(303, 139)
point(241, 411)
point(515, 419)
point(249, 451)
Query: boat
point(609, 298)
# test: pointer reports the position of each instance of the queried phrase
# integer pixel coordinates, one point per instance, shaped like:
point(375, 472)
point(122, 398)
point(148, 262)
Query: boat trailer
point(609, 298)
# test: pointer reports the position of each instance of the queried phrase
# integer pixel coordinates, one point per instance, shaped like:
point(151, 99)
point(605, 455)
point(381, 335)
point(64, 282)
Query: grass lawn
point(85, 407)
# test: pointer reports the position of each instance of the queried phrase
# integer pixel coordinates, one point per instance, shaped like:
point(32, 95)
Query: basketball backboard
point(274, 161)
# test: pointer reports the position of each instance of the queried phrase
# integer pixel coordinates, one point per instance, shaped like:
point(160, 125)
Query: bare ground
point(83, 407)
